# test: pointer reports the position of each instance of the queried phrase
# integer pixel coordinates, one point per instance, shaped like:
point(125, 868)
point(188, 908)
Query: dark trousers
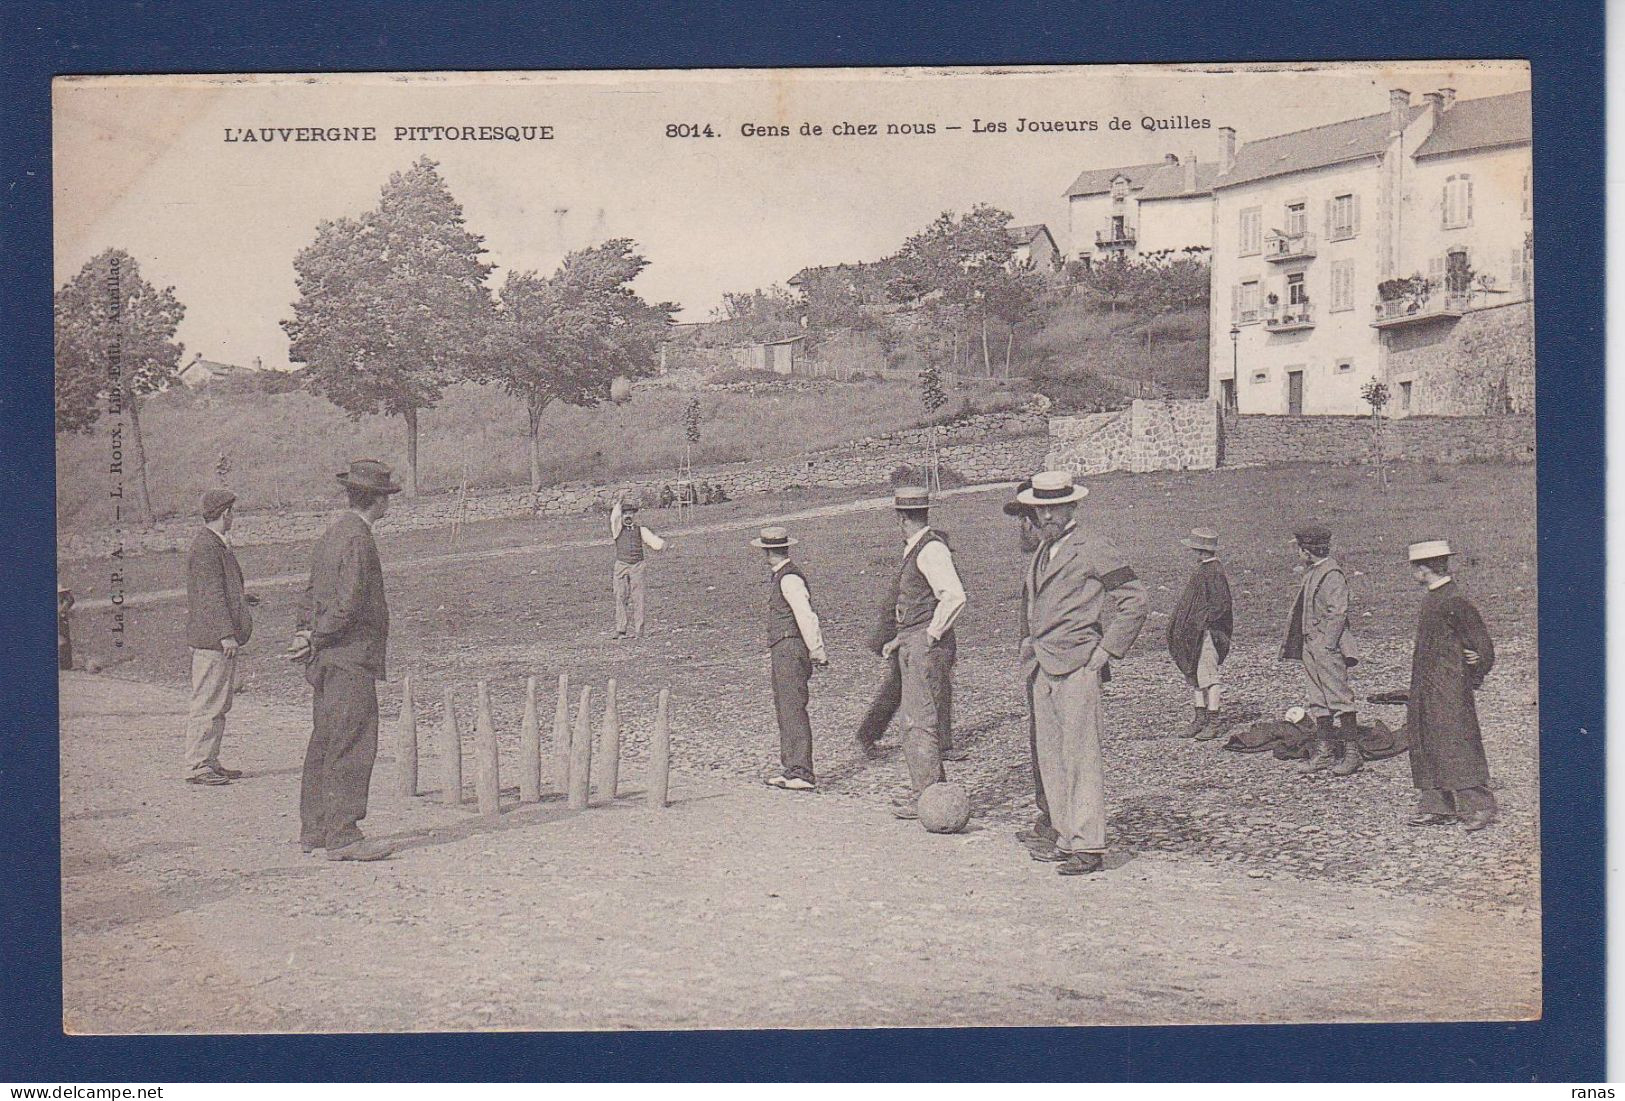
point(889, 697)
point(1461, 801)
point(792, 669)
point(339, 759)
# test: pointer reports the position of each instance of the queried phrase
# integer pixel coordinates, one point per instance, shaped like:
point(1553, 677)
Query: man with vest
point(794, 646)
point(1318, 635)
point(218, 621)
point(1064, 653)
point(929, 600)
point(631, 538)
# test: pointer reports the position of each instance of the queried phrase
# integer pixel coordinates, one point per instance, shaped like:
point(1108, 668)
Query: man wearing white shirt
point(631, 538)
point(794, 645)
point(929, 600)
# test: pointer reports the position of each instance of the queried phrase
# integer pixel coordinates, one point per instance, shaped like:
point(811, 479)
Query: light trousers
point(628, 597)
point(214, 677)
point(1066, 718)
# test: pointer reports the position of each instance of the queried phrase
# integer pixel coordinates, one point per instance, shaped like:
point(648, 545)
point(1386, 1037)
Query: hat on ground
point(1202, 539)
point(774, 538)
point(369, 474)
point(1313, 535)
point(1052, 487)
point(1295, 715)
point(1430, 548)
point(1016, 508)
point(911, 499)
point(216, 501)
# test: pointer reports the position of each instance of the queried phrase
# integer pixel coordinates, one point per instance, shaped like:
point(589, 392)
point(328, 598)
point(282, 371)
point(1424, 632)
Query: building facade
point(1137, 210)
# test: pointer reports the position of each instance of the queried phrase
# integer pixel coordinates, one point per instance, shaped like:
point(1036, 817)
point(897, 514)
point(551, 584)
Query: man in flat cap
point(1318, 635)
point(342, 639)
point(1453, 654)
point(794, 646)
point(930, 598)
point(1199, 631)
point(631, 537)
point(1065, 648)
point(218, 621)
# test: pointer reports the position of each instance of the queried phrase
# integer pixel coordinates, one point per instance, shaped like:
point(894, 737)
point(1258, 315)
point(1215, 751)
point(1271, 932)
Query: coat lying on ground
point(1287, 741)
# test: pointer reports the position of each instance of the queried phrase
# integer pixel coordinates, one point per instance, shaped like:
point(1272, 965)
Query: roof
point(1316, 147)
point(1021, 235)
point(1480, 124)
point(212, 366)
point(1168, 182)
point(781, 340)
point(1095, 181)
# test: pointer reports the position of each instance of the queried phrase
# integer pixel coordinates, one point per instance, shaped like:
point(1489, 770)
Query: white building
point(1142, 208)
point(1316, 233)
point(1034, 245)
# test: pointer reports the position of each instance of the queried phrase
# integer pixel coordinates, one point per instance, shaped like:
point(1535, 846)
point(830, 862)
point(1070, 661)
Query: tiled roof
point(1168, 182)
point(1021, 235)
point(1316, 147)
point(1480, 124)
point(1095, 181)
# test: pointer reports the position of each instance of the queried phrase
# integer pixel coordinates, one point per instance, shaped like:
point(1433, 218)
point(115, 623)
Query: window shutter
point(1235, 304)
point(1356, 229)
point(1444, 205)
point(1469, 181)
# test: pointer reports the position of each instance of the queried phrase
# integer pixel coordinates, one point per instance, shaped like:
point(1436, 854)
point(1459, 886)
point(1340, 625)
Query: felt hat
point(1313, 535)
point(369, 474)
point(217, 501)
point(911, 499)
point(774, 538)
point(1016, 508)
point(1052, 487)
point(632, 503)
point(1430, 548)
point(1202, 539)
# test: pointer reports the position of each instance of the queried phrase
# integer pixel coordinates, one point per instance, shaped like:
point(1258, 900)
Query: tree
point(933, 397)
point(1376, 395)
point(569, 336)
point(963, 261)
point(114, 343)
point(393, 305)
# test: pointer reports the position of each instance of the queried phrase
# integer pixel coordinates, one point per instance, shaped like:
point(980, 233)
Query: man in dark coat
point(1453, 655)
point(1199, 631)
point(342, 639)
point(218, 621)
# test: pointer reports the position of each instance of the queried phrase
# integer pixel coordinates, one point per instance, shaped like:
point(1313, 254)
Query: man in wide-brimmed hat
point(1041, 833)
point(1318, 635)
point(930, 598)
point(218, 622)
point(1199, 631)
point(794, 646)
point(1065, 648)
point(631, 538)
point(1453, 654)
point(342, 639)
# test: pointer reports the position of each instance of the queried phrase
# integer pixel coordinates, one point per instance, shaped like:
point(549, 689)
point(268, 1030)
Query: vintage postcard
point(797, 548)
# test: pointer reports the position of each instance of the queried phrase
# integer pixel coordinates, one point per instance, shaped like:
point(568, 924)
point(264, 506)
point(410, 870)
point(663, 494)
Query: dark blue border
point(1564, 41)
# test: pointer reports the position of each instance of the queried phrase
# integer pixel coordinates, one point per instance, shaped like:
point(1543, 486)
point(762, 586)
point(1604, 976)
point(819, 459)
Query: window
point(1297, 218)
point(1119, 189)
point(1343, 285)
point(1296, 293)
point(1458, 272)
point(1118, 227)
point(1404, 397)
point(1261, 376)
point(1247, 302)
point(1344, 367)
point(1227, 393)
point(1458, 202)
point(1343, 217)
point(1252, 231)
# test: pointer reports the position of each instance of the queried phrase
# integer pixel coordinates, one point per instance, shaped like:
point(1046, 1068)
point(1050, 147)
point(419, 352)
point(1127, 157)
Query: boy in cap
point(631, 538)
point(794, 646)
point(1318, 635)
point(930, 598)
point(1453, 654)
point(218, 621)
point(1199, 631)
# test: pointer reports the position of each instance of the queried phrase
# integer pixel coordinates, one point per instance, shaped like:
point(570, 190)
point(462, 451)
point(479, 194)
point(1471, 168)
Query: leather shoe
point(1477, 820)
point(1429, 820)
point(361, 850)
point(955, 754)
point(208, 779)
point(907, 811)
point(1049, 854)
point(228, 773)
point(1081, 864)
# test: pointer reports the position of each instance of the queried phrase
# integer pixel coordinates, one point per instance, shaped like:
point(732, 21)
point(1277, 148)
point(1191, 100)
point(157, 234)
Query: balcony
point(1289, 318)
point(1111, 238)
point(1409, 311)
point(1289, 246)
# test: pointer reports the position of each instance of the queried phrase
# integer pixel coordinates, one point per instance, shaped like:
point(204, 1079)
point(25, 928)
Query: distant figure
point(794, 646)
point(64, 628)
point(1452, 657)
point(1199, 631)
point(1318, 635)
point(218, 622)
point(631, 537)
point(342, 640)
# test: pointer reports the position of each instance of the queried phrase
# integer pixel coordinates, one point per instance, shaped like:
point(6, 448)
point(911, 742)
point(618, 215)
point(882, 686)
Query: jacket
point(1320, 615)
point(215, 606)
point(343, 606)
point(1063, 601)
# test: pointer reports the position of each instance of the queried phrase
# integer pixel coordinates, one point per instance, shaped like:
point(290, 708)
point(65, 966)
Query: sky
point(142, 164)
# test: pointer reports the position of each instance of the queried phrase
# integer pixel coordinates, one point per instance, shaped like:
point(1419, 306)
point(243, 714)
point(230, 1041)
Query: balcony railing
point(1111, 237)
point(1289, 246)
point(1407, 311)
point(1289, 318)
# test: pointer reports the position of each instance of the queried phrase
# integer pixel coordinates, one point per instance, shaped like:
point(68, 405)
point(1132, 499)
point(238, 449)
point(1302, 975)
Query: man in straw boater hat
point(1453, 654)
point(1318, 635)
point(342, 638)
point(631, 537)
point(1041, 833)
point(930, 597)
point(1064, 653)
point(218, 621)
point(794, 646)
point(1199, 631)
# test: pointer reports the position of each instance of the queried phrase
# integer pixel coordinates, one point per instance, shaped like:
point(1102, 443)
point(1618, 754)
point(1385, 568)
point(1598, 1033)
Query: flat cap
point(216, 501)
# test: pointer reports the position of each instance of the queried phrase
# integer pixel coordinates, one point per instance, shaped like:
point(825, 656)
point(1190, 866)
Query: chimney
point(1227, 158)
point(1399, 106)
point(1190, 171)
point(1447, 97)
point(1435, 101)
point(1170, 158)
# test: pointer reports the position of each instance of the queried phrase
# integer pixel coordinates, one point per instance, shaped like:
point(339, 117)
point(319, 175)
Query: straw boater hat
point(1052, 487)
point(216, 502)
point(911, 499)
point(1202, 539)
point(774, 538)
point(369, 474)
point(1431, 548)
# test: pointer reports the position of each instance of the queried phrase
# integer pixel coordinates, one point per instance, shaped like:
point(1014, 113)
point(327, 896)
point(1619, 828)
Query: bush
point(1079, 392)
point(909, 474)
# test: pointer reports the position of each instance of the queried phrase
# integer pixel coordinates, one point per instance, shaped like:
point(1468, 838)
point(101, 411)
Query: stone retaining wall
point(1149, 435)
point(1254, 440)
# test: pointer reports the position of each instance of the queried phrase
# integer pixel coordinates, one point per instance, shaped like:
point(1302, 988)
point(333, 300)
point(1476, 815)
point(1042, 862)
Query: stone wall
point(1149, 435)
point(1253, 440)
point(1482, 363)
